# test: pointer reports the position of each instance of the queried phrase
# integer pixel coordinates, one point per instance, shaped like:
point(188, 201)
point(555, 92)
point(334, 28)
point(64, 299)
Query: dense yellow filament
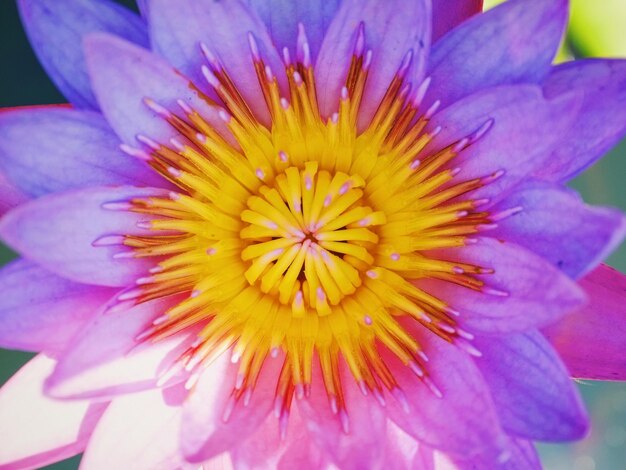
point(305, 237)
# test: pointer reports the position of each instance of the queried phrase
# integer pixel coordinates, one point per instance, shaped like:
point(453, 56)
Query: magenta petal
point(178, 28)
point(363, 419)
point(67, 233)
point(524, 292)
point(36, 430)
point(513, 43)
point(531, 388)
point(105, 358)
point(282, 17)
point(519, 122)
point(40, 311)
point(556, 224)
point(56, 30)
point(392, 29)
point(447, 14)
point(600, 126)
point(206, 432)
point(591, 340)
point(463, 421)
point(52, 149)
point(136, 431)
point(124, 75)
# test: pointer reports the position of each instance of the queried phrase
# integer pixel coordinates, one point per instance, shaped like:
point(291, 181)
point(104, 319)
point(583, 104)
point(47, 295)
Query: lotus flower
point(317, 234)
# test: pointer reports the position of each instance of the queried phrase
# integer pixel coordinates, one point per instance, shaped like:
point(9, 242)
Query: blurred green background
point(597, 28)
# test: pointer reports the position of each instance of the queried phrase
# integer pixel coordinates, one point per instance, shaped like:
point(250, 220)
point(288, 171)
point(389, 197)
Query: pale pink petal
point(209, 426)
point(36, 430)
point(592, 341)
point(352, 437)
point(106, 359)
point(137, 431)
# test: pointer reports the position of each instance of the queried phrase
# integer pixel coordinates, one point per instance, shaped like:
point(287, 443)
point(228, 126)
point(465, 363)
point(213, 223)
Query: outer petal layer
point(40, 311)
point(137, 431)
point(36, 430)
point(557, 225)
point(68, 233)
point(603, 122)
point(106, 359)
point(531, 388)
point(513, 43)
point(591, 340)
point(56, 30)
point(47, 150)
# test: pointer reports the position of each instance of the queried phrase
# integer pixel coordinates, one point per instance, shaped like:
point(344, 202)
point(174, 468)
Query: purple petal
point(591, 340)
point(463, 421)
point(520, 455)
point(105, 359)
point(557, 225)
point(448, 14)
point(520, 124)
point(178, 28)
point(54, 149)
point(531, 388)
point(56, 30)
point(513, 43)
point(282, 17)
point(59, 231)
point(124, 75)
point(523, 293)
point(353, 440)
point(137, 431)
point(392, 29)
point(599, 126)
point(206, 432)
point(40, 311)
point(37, 430)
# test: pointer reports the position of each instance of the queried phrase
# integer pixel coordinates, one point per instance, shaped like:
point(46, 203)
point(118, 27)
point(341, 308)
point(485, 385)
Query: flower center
point(308, 237)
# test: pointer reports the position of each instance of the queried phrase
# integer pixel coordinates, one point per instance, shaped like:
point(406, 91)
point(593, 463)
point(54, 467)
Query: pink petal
point(42, 311)
point(106, 359)
point(392, 29)
point(10, 195)
point(136, 431)
point(361, 446)
point(592, 340)
point(123, 75)
point(36, 430)
point(464, 420)
point(62, 232)
point(205, 433)
point(178, 28)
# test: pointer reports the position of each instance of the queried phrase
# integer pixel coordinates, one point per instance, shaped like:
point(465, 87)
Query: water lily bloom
point(317, 234)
